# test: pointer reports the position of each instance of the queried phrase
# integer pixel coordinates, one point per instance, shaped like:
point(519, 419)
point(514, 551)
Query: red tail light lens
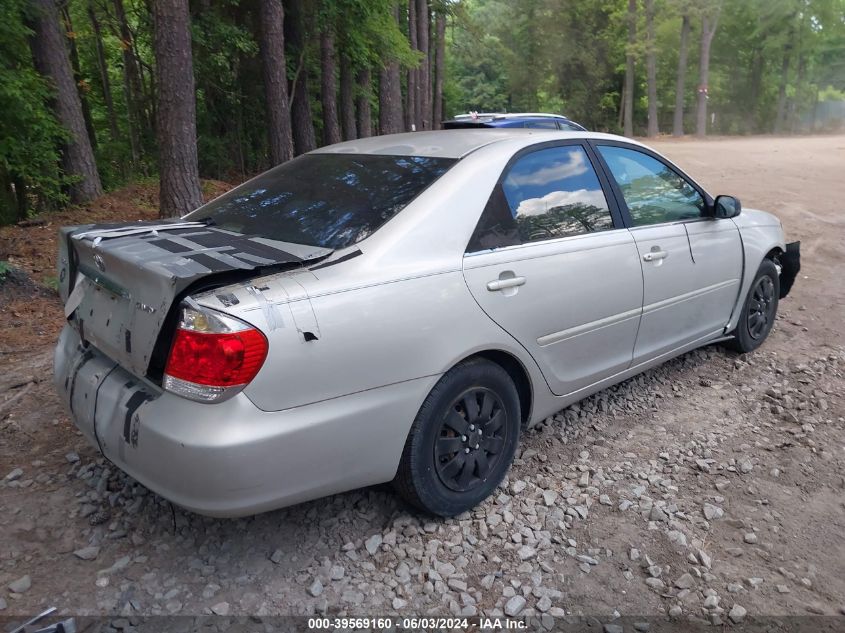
point(220, 360)
point(213, 356)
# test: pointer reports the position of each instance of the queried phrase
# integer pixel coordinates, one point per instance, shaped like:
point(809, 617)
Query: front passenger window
point(653, 192)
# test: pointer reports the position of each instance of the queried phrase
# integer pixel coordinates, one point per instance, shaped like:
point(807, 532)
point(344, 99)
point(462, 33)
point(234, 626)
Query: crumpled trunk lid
point(121, 283)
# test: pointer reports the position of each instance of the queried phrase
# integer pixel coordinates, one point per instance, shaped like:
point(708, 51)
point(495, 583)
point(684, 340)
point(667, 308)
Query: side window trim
point(607, 186)
point(617, 193)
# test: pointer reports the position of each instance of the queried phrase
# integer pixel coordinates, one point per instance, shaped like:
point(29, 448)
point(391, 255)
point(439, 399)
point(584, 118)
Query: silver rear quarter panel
point(399, 311)
point(231, 458)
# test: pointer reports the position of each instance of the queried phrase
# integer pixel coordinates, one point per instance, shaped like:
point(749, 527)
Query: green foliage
point(29, 134)
point(227, 68)
point(5, 269)
point(772, 62)
point(569, 56)
point(367, 32)
point(528, 55)
point(51, 282)
point(829, 93)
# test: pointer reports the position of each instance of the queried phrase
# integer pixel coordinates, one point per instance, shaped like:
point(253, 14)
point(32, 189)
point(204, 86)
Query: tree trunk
point(105, 84)
point(621, 115)
point(651, 69)
point(708, 30)
point(365, 116)
point(390, 95)
point(272, 45)
point(328, 87)
point(439, 68)
point(432, 52)
point(176, 112)
point(424, 81)
point(799, 85)
point(347, 101)
point(780, 117)
point(51, 58)
point(413, 97)
point(390, 100)
point(20, 194)
point(302, 121)
point(77, 76)
point(681, 78)
point(755, 89)
point(629, 69)
point(132, 89)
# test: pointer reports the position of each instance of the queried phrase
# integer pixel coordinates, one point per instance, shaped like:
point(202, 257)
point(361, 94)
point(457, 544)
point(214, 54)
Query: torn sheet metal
point(124, 279)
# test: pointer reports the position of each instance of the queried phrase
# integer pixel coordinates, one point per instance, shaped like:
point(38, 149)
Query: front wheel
point(759, 310)
point(463, 439)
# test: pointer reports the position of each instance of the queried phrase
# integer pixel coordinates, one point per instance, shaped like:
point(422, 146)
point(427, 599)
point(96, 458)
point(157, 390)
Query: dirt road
point(711, 487)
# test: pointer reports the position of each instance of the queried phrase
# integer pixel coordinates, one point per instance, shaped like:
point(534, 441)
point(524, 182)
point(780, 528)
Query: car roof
point(453, 143)
point(510, 115)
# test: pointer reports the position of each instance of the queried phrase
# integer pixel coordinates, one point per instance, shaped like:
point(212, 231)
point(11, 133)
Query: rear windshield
point(325, 200)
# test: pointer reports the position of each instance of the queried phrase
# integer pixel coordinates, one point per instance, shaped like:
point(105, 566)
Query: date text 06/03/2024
point(417, 623)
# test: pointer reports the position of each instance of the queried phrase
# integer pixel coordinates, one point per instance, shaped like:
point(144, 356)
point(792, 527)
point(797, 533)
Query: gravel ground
point(710, 488)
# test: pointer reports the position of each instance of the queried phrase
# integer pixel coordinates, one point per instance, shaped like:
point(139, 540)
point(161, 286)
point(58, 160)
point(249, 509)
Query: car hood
point(755, 217)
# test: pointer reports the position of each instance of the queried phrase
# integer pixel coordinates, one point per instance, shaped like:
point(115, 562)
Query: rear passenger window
point(545, 195)
point(548, 125)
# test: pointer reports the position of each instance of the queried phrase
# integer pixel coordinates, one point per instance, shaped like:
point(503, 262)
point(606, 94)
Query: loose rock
point(221, 608)
point(21, 585)
point(316, 588)
point(372, 544)
point(514, 606)
point(737, 614)
point(685, 582)
point(711, 512)
point(87, 553)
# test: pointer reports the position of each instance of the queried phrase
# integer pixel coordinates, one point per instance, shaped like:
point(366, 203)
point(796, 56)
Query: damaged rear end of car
point(183, 337)
point(122, 286)
point(137, 346)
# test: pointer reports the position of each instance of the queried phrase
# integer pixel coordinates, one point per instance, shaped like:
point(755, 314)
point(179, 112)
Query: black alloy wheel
point(462, 441)
point(761, 308)
point(472, 435)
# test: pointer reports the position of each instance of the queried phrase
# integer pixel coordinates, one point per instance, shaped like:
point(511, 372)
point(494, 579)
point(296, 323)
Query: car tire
point(462, 441)
point(759, 309)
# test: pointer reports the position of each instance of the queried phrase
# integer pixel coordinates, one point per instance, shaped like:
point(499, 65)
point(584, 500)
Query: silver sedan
point(399, 309)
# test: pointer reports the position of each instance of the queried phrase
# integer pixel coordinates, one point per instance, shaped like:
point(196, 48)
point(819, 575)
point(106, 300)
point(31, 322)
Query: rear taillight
point(213, 355)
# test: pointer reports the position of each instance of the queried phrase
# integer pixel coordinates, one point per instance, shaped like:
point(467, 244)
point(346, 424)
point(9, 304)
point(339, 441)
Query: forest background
point(97, 94)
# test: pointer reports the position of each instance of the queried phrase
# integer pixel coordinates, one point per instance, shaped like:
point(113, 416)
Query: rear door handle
point(655, 255)
point(501, 284)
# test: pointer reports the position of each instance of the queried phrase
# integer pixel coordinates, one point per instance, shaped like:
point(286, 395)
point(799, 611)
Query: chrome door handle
point(655, 255)
point(501, 284)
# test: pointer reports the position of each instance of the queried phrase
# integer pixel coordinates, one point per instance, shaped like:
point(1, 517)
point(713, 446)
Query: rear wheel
point(462, 441)
point(759, 310)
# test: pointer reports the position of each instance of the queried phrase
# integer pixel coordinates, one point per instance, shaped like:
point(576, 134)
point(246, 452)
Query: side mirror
point(726, 207)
